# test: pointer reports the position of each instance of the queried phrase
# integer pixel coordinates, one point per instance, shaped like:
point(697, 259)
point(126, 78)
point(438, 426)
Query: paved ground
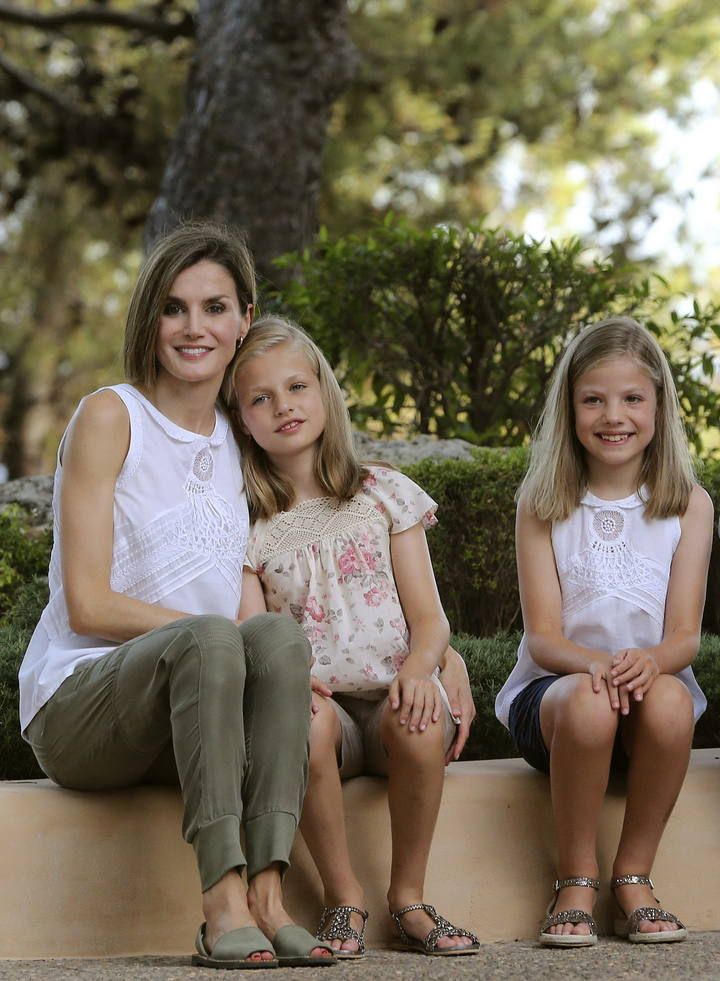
point(697, 958)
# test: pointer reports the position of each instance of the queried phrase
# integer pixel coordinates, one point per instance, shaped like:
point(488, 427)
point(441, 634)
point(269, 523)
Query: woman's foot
point(265, 905)
point(225, 908)
point(633, 896)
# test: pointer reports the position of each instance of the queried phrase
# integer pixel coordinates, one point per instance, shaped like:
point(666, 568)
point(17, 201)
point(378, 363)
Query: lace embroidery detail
point(608, 524)
point(609, 565)
point(182, 544)
point(203, 464)
point(320, 519)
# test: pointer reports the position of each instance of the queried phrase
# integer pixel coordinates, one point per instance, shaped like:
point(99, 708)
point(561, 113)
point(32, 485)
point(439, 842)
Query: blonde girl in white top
point(342, 549)
point(613, 543)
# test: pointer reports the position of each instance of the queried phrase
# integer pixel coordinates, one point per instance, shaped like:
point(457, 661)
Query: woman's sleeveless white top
point(613, 564)
point(180, 534)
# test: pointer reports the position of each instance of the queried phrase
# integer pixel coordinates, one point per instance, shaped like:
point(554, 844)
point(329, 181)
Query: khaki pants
point(222, 709)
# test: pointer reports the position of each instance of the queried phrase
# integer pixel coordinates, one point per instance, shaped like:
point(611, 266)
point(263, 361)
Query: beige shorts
point(361, 748)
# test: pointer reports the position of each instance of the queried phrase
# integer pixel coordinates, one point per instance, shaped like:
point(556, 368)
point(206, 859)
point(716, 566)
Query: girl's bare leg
point(323, 819)
point(579, 728)
point(416, 768)
point(658, 735)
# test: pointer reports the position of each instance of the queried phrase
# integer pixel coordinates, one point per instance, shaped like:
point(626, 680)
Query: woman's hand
point(635, 669)
point(600, 670)
point(318, 688)
point(415, 696)
point(455, 681)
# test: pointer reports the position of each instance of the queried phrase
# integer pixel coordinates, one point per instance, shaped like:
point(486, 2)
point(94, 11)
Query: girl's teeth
point(613, 439)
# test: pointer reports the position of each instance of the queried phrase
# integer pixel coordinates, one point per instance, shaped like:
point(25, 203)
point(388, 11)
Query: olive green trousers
point(224, 710)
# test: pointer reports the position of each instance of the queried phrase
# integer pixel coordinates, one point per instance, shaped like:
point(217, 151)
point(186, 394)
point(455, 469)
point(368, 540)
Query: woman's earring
point(239, 342)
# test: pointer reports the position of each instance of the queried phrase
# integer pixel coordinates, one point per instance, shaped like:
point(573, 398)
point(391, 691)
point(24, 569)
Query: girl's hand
point(416, 696)
point(635, 669)
point(601, 673)
point(319, 689)
point(455, 681)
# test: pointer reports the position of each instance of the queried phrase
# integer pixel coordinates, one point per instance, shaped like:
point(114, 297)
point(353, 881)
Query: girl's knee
point(417, 746)
point(325, 732)
point(581, 712)
point(667, 707)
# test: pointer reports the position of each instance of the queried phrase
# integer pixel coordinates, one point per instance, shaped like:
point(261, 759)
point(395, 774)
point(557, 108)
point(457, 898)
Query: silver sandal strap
point(442, 928)
point(576, 880)
point(573, 916)
point(631, 880)
point(651, 913)
point(335, 925)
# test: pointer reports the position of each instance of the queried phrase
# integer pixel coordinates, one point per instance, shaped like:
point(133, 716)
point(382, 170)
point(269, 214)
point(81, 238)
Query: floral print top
point(327, 563)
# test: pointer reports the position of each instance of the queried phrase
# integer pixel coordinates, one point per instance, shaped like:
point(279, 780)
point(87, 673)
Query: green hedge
point(473, 546)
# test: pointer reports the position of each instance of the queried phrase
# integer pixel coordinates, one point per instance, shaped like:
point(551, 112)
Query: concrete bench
point(103, 874)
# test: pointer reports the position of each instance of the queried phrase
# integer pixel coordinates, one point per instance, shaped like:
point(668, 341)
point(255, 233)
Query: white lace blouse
point(327, 563)
point(180, 533)
point(613, 564)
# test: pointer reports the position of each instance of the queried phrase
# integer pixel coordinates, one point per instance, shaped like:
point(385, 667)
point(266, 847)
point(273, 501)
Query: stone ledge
point(107, 874)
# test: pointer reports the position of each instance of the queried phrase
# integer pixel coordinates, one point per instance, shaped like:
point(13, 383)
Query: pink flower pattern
point(341, 588)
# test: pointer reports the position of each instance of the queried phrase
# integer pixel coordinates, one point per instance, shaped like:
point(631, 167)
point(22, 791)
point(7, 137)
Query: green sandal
point(293, 944)
point(233, 950)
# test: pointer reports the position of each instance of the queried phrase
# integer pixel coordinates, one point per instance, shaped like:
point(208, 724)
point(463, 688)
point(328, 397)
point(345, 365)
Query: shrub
point(456, 331)
point(24, 553)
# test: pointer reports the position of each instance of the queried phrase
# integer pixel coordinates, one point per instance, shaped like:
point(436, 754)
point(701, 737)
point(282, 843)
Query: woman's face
point(200, 325)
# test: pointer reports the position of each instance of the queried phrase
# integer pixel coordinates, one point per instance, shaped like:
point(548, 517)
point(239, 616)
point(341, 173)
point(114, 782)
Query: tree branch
point(29, 83)
point(97, 15)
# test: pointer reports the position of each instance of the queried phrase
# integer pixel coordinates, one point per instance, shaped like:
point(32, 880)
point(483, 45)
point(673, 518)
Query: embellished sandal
point(628, 926)
point(442, 928)
point(573, 916)
point(335, 925)
point(233, 950)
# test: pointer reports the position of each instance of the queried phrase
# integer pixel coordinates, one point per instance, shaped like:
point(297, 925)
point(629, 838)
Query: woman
point(138, 670)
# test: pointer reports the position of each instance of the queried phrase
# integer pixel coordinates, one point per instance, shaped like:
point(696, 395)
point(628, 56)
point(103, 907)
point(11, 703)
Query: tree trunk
point(248, 149)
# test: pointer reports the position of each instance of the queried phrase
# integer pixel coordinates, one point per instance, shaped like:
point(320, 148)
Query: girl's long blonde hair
point(337, 467)
point(557, 478)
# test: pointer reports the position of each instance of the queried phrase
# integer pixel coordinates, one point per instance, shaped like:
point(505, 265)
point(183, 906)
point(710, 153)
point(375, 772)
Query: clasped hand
point(627, 676)
point(415, 697)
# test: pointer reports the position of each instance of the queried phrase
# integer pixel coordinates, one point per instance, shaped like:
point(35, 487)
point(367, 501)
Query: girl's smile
point(615, 405)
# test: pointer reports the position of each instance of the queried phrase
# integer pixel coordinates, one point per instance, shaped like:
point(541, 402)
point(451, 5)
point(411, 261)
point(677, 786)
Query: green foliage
point(456, 331)
point(512, 108)
point(491, 659)
point(16, 758)
point(473, 546)
point(24, 554)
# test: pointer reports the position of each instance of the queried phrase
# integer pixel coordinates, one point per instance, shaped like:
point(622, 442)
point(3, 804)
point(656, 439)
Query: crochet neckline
point(178, 432)
point(634, 500)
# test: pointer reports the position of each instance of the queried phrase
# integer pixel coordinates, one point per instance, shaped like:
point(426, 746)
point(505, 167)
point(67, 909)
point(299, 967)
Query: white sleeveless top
point(180, 534)
point(613, 564)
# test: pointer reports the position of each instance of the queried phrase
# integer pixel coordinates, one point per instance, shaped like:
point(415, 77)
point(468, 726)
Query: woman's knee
point(214, 646)
point(571, 707)
point(277, 645)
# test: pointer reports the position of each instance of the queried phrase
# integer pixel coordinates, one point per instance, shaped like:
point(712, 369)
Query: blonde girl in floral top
point(342, 549)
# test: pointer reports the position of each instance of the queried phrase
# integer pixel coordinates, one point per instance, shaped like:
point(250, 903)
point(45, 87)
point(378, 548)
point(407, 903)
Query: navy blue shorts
point(524, 726)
